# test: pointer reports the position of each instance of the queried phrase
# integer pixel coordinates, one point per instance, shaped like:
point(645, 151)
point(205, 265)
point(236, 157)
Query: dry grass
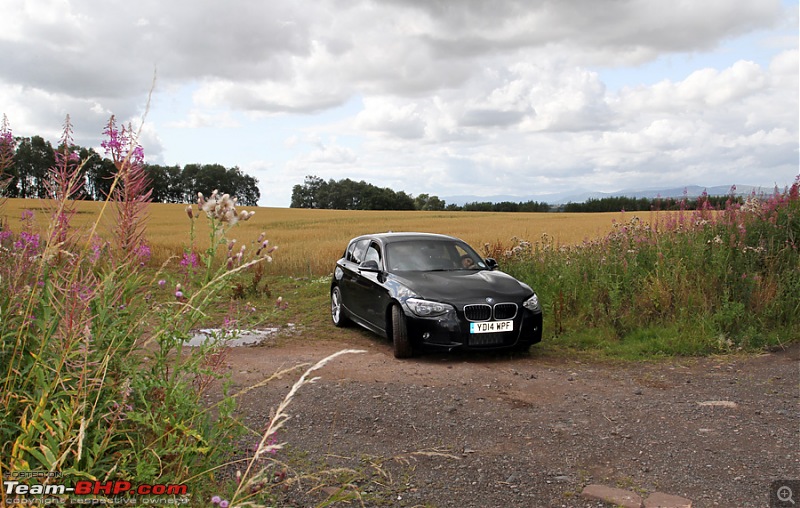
point(311, 240)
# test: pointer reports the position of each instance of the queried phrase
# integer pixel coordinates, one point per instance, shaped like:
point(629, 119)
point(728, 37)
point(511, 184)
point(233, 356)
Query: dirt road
point(481, 430)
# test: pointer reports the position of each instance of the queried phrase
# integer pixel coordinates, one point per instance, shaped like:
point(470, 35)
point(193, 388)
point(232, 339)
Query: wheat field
point(310, 241)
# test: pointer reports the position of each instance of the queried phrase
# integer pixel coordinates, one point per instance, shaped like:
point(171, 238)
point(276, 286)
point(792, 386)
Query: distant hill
point(691, 191)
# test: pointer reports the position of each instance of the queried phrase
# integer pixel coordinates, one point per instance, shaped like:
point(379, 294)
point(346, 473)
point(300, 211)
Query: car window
point(428, 255)
point(358, 251)
point(467, 259)
point(373, 253)
point(348, 255)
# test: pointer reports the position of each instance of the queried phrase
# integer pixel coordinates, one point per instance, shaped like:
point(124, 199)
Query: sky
point(442, 97)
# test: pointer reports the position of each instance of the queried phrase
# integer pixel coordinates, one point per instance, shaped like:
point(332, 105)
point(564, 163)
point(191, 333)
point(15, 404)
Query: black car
point(427, 291)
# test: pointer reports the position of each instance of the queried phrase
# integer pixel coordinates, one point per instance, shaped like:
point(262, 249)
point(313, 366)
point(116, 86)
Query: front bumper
point(451, 331)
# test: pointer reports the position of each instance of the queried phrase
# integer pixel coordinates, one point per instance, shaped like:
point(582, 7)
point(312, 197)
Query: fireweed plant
point(96, 380)
point(689, 283)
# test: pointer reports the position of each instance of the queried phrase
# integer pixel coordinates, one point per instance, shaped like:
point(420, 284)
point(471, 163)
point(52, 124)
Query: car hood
point(463, 285)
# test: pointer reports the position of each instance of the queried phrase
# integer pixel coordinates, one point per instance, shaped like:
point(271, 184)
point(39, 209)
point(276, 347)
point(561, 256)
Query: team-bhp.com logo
point(94, 492)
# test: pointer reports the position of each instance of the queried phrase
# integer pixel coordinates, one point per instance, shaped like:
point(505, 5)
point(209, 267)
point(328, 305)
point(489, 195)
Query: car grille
point(487, 339)
point(480, 312)
point(483, 312)
point(505, 311)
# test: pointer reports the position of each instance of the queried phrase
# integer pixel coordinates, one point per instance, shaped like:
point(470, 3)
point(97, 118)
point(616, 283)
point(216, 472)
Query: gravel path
point(480, 430)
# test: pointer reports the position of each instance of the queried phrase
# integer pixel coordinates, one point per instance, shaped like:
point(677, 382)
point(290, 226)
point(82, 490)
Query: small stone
point(661, 500)
point(719, 403)
point(617, 497)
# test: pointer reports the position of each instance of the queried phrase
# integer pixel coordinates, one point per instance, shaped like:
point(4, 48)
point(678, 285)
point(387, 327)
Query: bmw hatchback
point(425, 291)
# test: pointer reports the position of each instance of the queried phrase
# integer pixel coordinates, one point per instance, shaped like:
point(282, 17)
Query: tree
point(347, 194)
point(426, 202)
point(34, 156)
point(307, 195)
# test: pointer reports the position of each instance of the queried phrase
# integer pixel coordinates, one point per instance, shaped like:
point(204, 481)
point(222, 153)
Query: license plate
point(491, 326)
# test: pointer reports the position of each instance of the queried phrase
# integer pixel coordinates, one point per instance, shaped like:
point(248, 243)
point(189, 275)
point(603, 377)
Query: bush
point(726, 279)
point(97, 383)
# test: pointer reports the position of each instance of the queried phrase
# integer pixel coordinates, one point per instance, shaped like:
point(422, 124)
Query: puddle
point(232, 338)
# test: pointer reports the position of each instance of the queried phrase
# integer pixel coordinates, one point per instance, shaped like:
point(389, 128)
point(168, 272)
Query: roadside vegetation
point(713, 280)
point(98, 383)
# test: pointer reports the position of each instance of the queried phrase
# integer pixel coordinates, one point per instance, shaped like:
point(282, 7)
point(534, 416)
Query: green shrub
point(691, 283)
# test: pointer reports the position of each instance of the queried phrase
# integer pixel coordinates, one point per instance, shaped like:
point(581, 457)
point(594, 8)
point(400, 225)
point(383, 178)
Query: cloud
point(509, 93)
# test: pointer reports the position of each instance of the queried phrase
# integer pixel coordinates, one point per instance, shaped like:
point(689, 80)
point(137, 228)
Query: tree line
point(347, 194)
point(34, 156)
point(628, 204)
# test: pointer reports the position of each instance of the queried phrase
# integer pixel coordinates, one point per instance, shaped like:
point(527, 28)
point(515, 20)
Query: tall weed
point(695, 282)
point(96, 380)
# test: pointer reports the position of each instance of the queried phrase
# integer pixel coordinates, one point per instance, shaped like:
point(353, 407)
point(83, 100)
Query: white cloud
point(506, 93)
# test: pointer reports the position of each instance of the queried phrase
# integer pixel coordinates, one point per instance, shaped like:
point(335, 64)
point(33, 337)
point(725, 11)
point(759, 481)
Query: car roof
point(391, 236)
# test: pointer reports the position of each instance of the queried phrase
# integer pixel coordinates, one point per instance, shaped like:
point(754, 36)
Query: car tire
point(337, 310)
point(400, 342)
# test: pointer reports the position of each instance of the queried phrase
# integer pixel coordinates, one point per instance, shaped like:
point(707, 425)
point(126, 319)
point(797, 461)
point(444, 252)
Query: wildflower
point(179, 295)
point(97, 250)
point(189, 260)
point(142, 251)
point(161, 283)
point(222, 208)
point(216, 500)
point(189, 211)
point(27, 241)
point(223, 504)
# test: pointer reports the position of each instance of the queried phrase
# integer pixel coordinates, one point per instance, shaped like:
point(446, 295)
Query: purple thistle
point(142, 252)
point(189, 260)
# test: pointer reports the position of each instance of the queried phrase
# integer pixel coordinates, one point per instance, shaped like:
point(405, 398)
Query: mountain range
point(690, 191)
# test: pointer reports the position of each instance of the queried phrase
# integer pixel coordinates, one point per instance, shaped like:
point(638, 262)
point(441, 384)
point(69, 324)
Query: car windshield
point(432, 255)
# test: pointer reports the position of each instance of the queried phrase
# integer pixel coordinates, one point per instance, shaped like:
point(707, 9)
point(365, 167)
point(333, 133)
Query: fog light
point(426, 336)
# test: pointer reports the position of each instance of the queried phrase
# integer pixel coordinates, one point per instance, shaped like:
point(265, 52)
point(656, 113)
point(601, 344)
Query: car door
point(351, 295)
point(370, 292)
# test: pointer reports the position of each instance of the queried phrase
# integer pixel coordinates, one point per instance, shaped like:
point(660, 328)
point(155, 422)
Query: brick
point(661, 500)
point(617, 497)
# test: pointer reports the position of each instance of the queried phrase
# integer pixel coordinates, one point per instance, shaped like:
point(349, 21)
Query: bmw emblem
point(490, 300)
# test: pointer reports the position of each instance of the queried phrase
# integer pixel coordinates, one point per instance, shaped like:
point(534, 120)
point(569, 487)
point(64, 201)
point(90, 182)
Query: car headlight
point(425, 308)
point(532, 303)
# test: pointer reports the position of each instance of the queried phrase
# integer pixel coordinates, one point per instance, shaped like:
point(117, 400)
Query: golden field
point(310, 241)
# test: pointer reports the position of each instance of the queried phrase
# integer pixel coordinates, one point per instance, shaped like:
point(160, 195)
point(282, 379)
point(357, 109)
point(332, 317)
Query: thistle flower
point(222, 208)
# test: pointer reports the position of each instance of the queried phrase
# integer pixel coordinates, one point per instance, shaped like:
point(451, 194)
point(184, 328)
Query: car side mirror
point(491, 263)
point(369, 266)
